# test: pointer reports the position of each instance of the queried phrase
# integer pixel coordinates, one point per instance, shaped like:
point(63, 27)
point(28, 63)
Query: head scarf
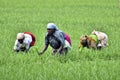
point(52, 26)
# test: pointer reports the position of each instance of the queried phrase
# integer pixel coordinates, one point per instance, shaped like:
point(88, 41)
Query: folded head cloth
point(20, 35)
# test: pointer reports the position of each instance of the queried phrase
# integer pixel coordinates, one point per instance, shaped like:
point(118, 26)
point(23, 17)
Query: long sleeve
point(16, 45)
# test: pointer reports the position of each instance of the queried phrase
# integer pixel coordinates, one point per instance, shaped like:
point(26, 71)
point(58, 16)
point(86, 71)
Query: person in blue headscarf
point(56, 39)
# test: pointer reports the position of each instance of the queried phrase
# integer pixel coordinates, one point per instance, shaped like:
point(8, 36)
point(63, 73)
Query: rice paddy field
point(74, 17)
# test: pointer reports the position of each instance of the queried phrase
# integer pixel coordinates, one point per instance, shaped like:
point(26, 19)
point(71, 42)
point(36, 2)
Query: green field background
point(75, 17)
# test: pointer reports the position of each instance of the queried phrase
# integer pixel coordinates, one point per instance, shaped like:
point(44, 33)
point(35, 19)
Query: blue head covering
point(52, 26)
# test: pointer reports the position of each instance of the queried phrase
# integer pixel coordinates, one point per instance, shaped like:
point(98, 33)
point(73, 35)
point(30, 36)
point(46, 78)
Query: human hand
point(40, 53)
point(59, 51)
point(23, 48)
point(16, 50)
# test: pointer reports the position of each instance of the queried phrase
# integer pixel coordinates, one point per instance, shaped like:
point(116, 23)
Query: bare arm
point(43, 50)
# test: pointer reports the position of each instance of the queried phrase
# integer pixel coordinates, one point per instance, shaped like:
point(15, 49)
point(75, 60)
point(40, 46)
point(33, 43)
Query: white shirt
point(26, 42)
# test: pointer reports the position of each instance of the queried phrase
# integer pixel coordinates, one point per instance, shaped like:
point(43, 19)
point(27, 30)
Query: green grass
point(75, 17)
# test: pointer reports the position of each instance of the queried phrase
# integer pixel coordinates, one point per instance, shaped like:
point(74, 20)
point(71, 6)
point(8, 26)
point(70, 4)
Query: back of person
point(33, 38)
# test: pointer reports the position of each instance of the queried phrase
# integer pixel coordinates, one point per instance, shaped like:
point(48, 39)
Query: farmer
point(24, 41)
point(58, 40)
